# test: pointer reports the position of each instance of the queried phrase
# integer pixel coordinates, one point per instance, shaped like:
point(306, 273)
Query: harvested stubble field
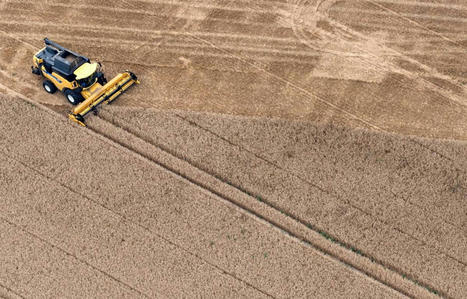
point(284, 148)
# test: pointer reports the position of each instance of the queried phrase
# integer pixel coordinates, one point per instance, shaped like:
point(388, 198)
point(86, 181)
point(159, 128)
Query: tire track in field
point(196, 165)
point(137, 11)
point(120, 216)
point(454, 258)
point(312, 24)
point(117, 145)
point(205, 6)
point(407, 18)
point(11, 291)
point(160, 33)
point(289, 52)
point(336, 196)
point(423, 28)
point(264, 217)
point(422, 35)
point(350, 30)
point(279, 211)
point(425, 4)
point(152, 14)
point(270, 50)
point(299, 30)
point(442, 91)
point(396, 28)
point(57, 247)
point(301, 89)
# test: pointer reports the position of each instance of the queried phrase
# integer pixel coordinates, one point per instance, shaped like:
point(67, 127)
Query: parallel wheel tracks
point(251, 211)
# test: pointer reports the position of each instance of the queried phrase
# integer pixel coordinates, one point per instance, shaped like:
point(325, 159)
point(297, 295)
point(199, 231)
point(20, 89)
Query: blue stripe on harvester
point(59, 81)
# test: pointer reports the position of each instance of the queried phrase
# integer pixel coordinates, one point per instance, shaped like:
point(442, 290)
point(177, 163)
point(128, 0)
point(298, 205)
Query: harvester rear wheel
point(49, 86)
point(73, 97)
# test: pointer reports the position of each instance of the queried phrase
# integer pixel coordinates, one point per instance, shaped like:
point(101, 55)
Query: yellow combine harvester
point(81, 81)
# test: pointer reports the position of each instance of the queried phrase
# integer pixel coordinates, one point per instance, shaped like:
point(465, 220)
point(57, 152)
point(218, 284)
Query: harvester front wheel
point(49, 86)
point(101, 79)
point(73, 97)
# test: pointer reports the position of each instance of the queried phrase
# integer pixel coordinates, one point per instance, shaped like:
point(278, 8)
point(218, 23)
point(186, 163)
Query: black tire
point(101, 79)
point(49, 86)
point(133, 76)
point(73, 97)
point(35, 70)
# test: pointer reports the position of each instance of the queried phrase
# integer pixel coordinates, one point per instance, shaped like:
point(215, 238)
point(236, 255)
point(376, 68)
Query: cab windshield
point(86, 82)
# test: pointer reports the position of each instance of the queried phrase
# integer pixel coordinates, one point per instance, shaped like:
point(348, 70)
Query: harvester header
point(105, 94)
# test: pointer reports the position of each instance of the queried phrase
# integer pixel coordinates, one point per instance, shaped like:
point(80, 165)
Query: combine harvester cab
point(81, 81)
point(99, 94)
